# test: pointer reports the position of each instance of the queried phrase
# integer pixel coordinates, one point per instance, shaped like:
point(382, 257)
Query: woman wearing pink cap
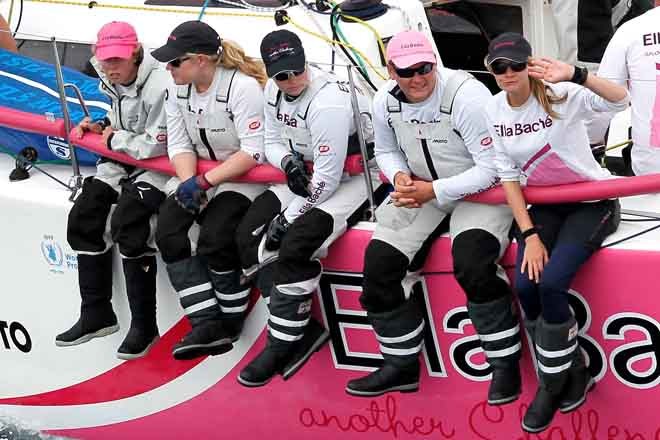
point(537, 126)
point(135, 125)
point(432, 143)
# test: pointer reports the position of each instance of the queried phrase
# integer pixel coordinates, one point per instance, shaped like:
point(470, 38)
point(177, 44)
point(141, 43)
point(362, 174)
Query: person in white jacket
point(632, 59)
point(214, 112)
point(537, 126)
point(309, 118)
point(136, 86)
point(432, 143)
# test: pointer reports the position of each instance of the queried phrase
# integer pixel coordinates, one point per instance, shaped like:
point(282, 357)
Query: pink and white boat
point(86, 392)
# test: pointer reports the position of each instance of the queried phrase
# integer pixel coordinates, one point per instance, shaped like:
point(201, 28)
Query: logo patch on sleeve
point(254, 125)
point(324, 148)
point(162, 138)
point(486, 141)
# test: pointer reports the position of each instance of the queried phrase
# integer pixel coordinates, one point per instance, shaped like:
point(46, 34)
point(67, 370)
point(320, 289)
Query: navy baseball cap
point(282, 51)
point(509, 46)
point(189, 37)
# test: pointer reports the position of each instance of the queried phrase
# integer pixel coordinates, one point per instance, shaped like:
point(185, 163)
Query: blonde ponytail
point(233, 57)
point(545, 96)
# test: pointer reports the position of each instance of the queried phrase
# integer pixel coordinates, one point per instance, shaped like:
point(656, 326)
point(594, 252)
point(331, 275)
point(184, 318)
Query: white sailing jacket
point(138, 113)
point(443, 139)
point(226, 118)
point(319, 125)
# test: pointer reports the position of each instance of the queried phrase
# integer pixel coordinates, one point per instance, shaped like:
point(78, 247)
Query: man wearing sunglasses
point(432, 143)
point(308, 118)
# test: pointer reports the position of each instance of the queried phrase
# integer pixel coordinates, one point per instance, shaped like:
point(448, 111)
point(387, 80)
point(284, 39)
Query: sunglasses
point(500, 67)
point(285, 76)
point(424, 69)
point(177, 61)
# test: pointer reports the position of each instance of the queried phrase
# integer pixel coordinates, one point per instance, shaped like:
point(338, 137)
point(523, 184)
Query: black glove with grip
point(296, 175)
point(275, 233)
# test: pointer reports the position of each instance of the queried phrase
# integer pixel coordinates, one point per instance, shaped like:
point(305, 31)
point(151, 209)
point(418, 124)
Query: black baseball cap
point(282, 51)
point(189, 37)
point(509, 46)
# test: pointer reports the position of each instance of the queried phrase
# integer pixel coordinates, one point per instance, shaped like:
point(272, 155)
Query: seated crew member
point(432, 143)
point(632, 59)
point(308, 117)
point(136, 86)
point(214, 112)
point(584, 27)
point(540, 138)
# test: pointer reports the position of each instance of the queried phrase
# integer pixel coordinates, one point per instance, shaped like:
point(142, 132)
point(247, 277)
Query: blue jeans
point(571, 233)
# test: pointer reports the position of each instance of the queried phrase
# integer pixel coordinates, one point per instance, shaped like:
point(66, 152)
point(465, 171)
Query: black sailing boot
point(190, 279)
point(232, 298)
point(140, 276)
point(556, 345)
point(97, 318)
point(400, 333)
point(580, 382)
point(499, 332)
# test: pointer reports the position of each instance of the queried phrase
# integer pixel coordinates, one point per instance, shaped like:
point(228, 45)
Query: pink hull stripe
point(119, 382)
point(154, 370)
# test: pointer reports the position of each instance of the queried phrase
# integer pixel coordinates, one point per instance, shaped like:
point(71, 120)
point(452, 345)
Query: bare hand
point(550, 70)
point(87, 125)
point(403, 186)
point(107, 131)
point(534, 259)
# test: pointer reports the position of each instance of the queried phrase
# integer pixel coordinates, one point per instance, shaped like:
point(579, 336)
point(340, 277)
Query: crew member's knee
point(384, 269)
point(475, 253)
point(88, 217)
point(172, 231)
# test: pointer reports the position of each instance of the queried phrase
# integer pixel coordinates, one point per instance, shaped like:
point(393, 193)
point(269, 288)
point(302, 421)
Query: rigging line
point(201, 13)
point(631, 236)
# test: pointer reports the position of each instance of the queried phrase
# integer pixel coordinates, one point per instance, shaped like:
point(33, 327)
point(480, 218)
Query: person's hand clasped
point(550, 70)
point(409, 193)
point(87, 125)
point(191, 194)
point(534, 258)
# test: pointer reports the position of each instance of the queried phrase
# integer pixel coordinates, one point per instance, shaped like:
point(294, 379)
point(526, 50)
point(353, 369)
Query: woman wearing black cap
point(214, 112)
point(537, 126)
point(308, 117)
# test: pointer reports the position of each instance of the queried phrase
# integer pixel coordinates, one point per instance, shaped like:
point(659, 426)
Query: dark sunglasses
point(424, 69)
point(176, 62)
point(284, 76)
point(500, 67)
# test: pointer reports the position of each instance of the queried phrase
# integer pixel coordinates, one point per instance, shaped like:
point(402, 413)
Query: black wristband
point(529, 232)
point(580, 75)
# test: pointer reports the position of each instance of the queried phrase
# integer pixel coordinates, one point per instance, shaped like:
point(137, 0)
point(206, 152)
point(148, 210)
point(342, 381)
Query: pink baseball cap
point(408, 48)
point(116, 39)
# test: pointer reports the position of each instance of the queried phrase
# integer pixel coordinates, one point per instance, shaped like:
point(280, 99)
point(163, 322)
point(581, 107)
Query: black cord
point(335, 36)
point(631, 236)
point(640, 219)
point(18, 24)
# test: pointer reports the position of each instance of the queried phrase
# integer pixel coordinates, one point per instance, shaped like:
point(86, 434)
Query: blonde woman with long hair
point(537, 126)
point(214, 112)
